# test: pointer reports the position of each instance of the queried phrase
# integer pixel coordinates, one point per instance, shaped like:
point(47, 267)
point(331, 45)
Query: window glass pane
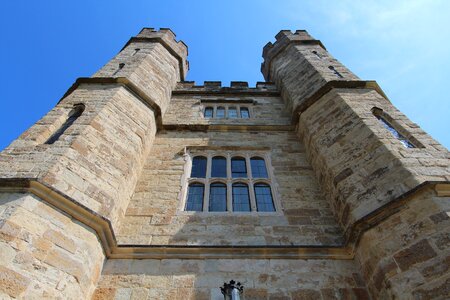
point(238, 167)
point(263, 195)
point(395, 133)
point(218, 197)
point(208, 112)
point(220, 112)
point(198, 167)
point(195, 197)
point(219, 167)
point(232, 112)
point(241, 200)
point(258, 168)
point(245, 114)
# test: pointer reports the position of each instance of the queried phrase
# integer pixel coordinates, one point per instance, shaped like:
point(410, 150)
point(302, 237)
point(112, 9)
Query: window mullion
point(207, 183)
point(251, 191)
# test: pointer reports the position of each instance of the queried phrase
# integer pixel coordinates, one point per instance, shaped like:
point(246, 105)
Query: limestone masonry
point(141, 185)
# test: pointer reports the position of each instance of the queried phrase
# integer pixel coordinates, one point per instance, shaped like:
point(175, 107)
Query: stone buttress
point(59, 198)
point(397, 195)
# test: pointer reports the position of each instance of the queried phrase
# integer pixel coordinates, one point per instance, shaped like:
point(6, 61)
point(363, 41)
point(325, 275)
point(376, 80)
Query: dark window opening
point(73, 116)
point(220, 113)
point(198, 167)
point(218, 197)
point(263, 195)
point(258, 167)
point(241, 199)
point(208, 112)
point(219, 167)
point(245, 114)
point(232, 113)
point(238, 167)
point(335, 72)
point(195, 197)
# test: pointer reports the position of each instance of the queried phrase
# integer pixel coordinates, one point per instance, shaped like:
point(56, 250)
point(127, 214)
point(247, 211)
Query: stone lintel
point(335, 84)
point(104, 230)
point(130, 86)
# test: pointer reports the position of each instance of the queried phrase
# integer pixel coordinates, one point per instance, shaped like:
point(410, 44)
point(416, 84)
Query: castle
point(141, 185)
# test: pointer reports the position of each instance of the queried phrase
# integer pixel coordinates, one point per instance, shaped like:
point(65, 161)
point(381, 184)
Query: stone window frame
point(228, 181)
point(227, 106)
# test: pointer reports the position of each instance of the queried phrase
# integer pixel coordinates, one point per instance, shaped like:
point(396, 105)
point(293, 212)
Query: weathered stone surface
point(46, 257)
point(335, 172)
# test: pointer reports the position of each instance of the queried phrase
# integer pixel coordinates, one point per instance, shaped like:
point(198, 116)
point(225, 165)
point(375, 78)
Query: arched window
point(208, 112)
point(258, 167)
point(241, 199)
point(263, 195)
point(245, 114)
point(219, 167)
point(73, 115)
point(232, 113)
point(218, 197)
point(220, 112)
point(238, 167)
point(194, 200)
point(198, 167)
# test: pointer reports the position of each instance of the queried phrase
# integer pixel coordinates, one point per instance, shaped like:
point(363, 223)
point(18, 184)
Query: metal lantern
point(232, 290)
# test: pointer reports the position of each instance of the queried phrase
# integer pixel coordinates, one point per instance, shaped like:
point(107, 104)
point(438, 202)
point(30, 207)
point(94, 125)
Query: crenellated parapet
point(300, 66)
point(215, 87)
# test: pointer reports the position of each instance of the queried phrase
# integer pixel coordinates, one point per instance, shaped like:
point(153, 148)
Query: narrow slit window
point(238, 167)
point(136, 51)
point(121, 65)
point(232, 113)
point(335, 72)
point(245, 114)
point(208, 112)
point(219, 167)
point(258, 167)
point(198, 167)
point(218, 197)
point(220, 113)
point(74, 114)
point(317, 54)
point(195, 197)
point(241, 199)
point(405, 142)
point(263, 195)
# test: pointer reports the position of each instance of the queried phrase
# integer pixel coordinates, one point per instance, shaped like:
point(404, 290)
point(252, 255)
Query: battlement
point(167, 38)
point(283, 39)
point(190, 87)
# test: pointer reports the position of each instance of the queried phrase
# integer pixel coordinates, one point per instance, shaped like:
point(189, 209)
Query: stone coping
point(216, 88)
point(335, 84)
point(125, 82)
point(284, 39)
point(112, 249)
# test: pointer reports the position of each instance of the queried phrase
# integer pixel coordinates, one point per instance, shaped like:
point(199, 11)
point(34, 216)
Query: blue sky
point(404, 45)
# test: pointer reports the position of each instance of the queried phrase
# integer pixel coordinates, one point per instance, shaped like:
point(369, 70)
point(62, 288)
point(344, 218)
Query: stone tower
point(141, 185)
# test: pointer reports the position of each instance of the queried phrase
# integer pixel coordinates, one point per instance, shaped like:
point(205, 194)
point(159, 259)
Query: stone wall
point(44, 253)
point(359, 163)
point(408, 255)
point(201, 279)
point(188, 110)
point(154, 215)
point(98, 159)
